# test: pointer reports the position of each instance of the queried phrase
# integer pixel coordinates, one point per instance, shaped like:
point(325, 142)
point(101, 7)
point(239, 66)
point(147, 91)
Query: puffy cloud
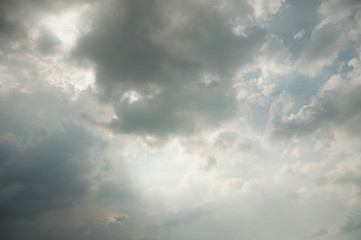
point(335, 104)
point(331, 36)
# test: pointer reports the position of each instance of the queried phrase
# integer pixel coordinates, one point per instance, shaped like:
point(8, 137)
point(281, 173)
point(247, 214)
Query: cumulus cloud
point(330, 37)
point(335, 103)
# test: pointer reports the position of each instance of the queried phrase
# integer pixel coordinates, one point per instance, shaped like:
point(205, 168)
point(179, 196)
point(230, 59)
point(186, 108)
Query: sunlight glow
point(67, 26)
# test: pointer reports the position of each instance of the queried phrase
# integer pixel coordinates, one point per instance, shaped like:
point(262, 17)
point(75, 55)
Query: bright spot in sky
point(132, 96)
point(83, 79)
point(66, 26)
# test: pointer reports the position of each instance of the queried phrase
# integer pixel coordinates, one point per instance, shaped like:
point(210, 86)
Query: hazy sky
point(180, 119)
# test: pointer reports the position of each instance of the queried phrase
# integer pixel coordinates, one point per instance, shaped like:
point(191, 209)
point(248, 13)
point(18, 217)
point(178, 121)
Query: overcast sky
point(180, 119)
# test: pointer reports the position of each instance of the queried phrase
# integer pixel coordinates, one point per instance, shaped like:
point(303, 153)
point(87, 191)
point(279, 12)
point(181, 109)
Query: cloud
point(263, 9)
point(180, 68)
point(176, 119)
point(351, 223)
point(45, 176)
point(184, 216)
point(321, 50)
point(47, 42)
point(335, 104)
point(317, 232)
point(299, 35)
point(51, 170)
point(330, 37)
point(42, 166)
point(210, 163)
point(334, 11)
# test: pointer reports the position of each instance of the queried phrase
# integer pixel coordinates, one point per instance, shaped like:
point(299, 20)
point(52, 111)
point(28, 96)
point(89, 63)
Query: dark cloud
point(177, 112)
point(45, 162)
point(90, 231)
point(6, 25)
point(49, 174)
point(42, 166)
point(163, 52)
point(10, 29)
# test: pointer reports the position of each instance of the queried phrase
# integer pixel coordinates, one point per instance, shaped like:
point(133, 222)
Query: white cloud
point(299, 35)
point(263, 9)
point(337, 30)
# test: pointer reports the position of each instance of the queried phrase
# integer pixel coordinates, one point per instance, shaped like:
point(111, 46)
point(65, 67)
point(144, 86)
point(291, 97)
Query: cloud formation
point(177, 65)
point(175, 119)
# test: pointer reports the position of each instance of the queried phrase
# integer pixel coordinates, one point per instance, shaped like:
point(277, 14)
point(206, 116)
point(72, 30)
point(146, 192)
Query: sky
point(180, 119)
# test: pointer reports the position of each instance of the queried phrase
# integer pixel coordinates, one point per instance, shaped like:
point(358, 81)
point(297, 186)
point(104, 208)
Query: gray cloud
point(90, 231)
point(6, 25)
point(45, 162)
point(10, 29)
point(184, 217)
point(351, 223)
point(210, 163)
point(47, 42)
point(176, 111)
point(42, 167)
point(163, 51)
point(45, 176)
point(168, 143)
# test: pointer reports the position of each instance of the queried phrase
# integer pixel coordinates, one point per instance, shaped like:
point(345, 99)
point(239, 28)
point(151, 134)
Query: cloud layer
point(205, 119)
